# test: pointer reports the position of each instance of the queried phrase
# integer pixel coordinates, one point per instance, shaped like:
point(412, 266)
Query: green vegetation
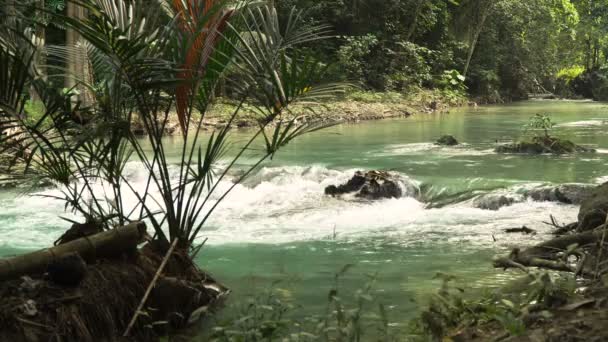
point(348, 317)
point(82, 148)
point(542, 143)
point(540, 122)
point(68, 116)
point(451, 311)
point(505, 48)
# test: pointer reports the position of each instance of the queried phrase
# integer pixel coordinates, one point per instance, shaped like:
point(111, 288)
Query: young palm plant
point(146, 65)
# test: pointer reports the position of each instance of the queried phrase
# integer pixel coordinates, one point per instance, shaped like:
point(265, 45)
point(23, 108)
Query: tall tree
point(477, 13)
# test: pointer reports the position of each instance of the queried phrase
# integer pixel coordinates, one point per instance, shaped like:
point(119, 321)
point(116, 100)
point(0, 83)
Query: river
point(279, 228)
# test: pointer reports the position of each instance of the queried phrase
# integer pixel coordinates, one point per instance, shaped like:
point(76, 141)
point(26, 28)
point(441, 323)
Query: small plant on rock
point(540, 122)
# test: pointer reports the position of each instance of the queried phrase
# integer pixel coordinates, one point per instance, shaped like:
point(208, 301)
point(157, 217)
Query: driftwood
point(108, 244)
point(561, 229)
point(549, 254)
point(523, 230)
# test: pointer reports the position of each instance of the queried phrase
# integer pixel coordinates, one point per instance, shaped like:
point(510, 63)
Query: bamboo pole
point(150, 287)
point(106, 244)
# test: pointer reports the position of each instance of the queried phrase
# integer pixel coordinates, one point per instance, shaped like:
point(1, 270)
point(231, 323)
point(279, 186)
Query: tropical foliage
point(505, 48)
point(145, 60)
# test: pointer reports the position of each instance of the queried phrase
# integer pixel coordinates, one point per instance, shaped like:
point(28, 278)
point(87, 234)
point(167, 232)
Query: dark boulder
point(522, 148)
point(594, 209)
point(373, 185)
point(574, 193)
point(353, 184)
point(447, 140)
point(542, 194)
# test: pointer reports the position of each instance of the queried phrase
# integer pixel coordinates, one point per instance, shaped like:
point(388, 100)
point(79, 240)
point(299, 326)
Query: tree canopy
point(505, 48)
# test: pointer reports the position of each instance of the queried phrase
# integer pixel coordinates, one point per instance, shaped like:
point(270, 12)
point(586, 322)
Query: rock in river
point(447, 140)
point(594, 209)
point(374, 185)
point(495, 201)
point(571, 193)
point(543, 145)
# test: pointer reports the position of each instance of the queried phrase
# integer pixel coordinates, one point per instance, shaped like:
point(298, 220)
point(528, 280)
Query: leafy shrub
point(354, 55)
point(408, 66)
point(453, 309)
point(570, 73)
point(540, 122)
point(35, 110)
point(568, 80)
point(453, 80)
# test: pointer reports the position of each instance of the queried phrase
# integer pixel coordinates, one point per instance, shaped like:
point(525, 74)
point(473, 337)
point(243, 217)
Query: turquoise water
point(279, 226)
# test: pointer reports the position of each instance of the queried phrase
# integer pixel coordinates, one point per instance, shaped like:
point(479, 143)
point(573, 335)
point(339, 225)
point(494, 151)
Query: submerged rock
point(373, 185)
point(542, 145)
point(494, 201)
point(447, 140)
point(564, 193)
point(594, 208)
point(574, 193)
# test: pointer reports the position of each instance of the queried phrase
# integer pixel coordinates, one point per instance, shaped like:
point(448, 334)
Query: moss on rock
point(544, 145)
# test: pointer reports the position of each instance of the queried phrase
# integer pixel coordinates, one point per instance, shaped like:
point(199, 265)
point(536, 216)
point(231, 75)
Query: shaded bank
point(128, 294)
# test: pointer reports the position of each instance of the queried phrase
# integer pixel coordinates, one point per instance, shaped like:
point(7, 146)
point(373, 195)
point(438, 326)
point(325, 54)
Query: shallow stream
point(279, 226)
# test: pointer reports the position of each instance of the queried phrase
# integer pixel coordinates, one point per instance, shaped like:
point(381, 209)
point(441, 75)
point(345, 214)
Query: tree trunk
point(77, 63)
point(596, 55)
point(412, 29)
point(483, 14)
point(588, 55)
point(40, 43)
point(9, 9)
point(111, 243)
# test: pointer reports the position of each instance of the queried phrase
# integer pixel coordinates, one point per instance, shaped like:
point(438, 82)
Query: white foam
point(601, 180)
point(585, 123)
point(287, 204)
point(424, 148)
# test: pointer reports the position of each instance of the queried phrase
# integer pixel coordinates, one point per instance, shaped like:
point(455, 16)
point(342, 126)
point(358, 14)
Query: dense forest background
point(492, 50)
point(501, 50)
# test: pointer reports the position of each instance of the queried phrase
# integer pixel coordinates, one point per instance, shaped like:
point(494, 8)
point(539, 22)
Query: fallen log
point(107, 244)
point(547, 254)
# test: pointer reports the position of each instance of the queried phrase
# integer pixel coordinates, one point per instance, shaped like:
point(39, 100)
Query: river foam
point(426, 148)
point(585, 123)
point(287, 204)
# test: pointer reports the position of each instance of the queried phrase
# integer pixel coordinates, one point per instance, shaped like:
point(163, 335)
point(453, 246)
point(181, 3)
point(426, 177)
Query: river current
point(279, 228)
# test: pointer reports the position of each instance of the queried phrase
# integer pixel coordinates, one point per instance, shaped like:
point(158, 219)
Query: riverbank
point(354, 107)
point(295, 238)
point(562, 295)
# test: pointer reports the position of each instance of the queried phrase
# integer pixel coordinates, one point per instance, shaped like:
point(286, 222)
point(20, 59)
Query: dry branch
point(103, 245)
point(546, 254)
point(150, 287)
